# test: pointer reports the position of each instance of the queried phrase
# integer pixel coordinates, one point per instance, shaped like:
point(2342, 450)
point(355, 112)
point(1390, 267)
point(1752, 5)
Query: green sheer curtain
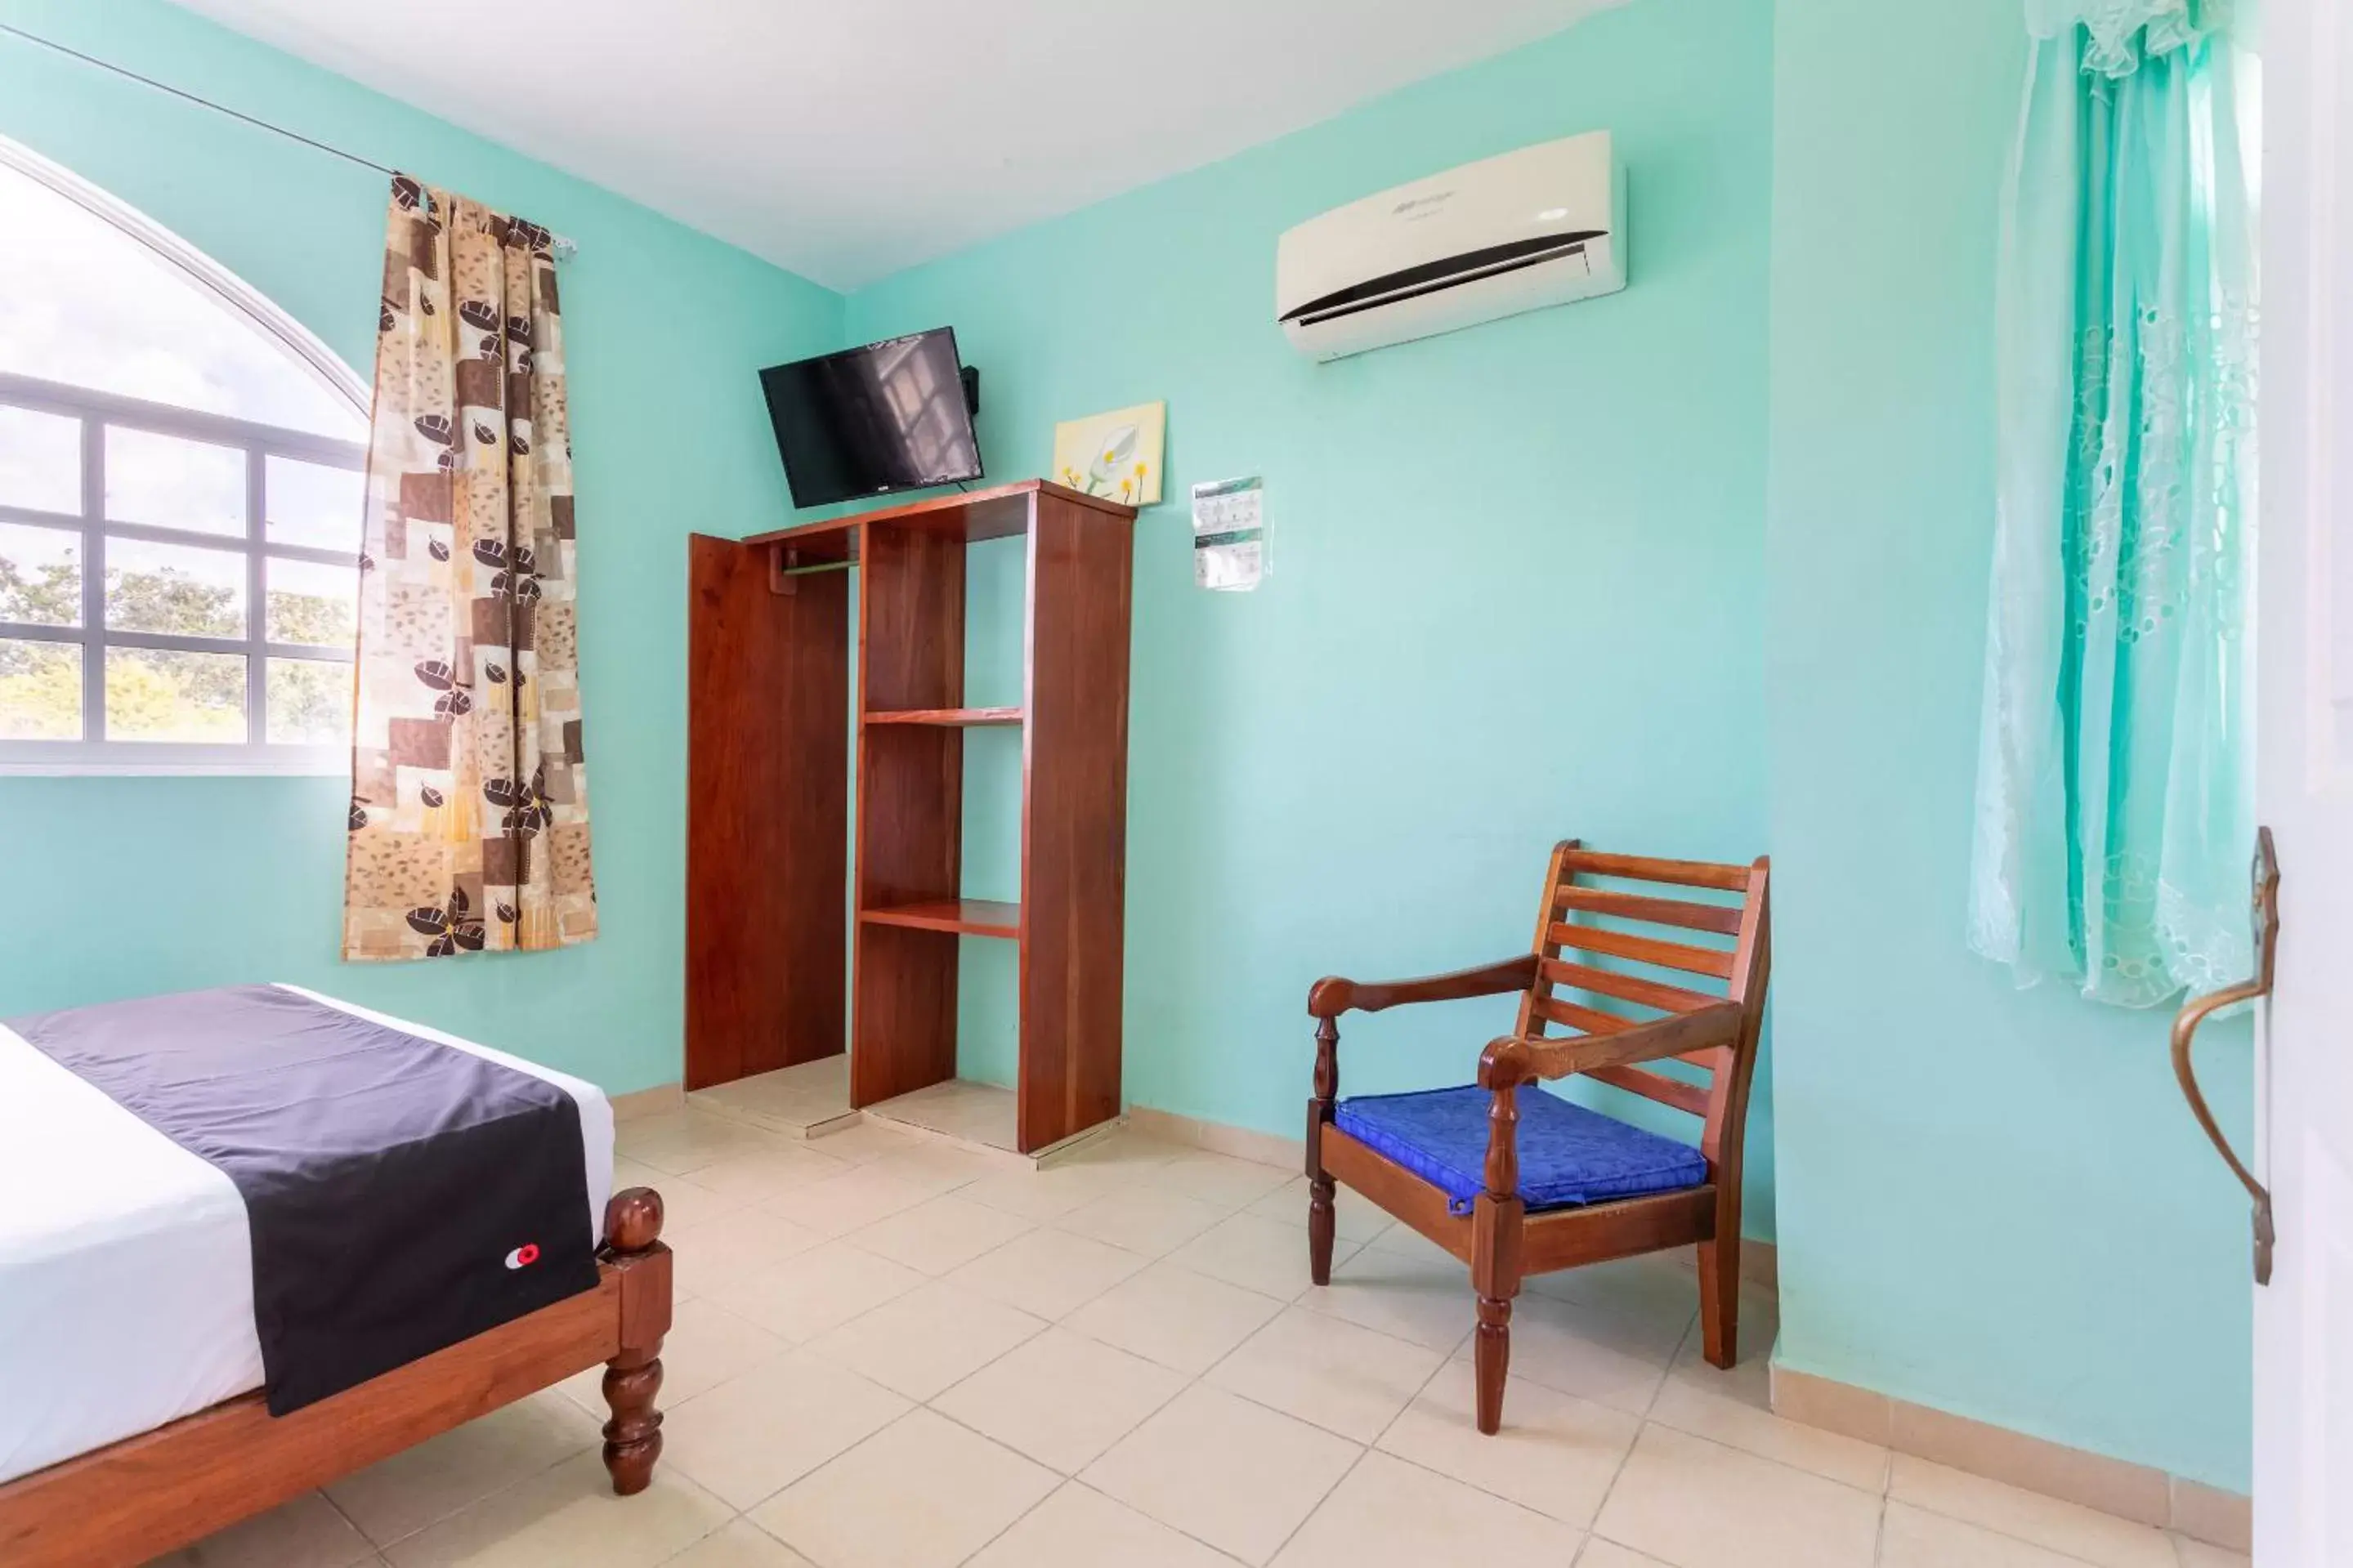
point(2115, 802)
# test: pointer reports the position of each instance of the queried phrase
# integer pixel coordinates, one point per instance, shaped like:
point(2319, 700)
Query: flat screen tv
point(892, 415)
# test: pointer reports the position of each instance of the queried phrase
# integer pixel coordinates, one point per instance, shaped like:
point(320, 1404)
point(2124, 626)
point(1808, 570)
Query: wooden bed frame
point(147, 1495)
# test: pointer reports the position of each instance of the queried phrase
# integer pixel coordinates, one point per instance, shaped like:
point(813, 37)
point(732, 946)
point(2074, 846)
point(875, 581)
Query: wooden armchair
point(1517, 1184)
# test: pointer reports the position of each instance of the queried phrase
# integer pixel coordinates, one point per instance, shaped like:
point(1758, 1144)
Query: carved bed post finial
point(1321, 1217)
point(633, 1378)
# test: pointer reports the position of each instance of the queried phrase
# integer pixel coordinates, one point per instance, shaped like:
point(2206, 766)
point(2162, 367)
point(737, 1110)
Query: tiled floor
point(891, 1354)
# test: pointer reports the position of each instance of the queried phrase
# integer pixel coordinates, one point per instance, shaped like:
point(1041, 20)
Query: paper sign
point(1228, 535)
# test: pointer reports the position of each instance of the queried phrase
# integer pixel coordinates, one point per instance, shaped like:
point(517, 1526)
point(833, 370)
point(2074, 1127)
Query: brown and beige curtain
point(470, 798)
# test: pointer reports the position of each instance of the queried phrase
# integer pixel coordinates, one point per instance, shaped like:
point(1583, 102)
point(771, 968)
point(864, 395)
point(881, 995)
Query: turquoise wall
point(1517, 596)
point(113, 887)
point(1515, 586)
point(1992, 1201)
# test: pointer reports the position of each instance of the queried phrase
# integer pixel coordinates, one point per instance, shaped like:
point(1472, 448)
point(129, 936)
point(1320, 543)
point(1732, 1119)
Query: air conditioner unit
point(1540, 226)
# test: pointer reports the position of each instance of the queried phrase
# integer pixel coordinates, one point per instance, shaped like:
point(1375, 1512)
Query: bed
point(137, 1418)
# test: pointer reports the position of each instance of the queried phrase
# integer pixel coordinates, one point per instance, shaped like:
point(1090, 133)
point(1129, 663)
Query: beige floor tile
point(767, 1173)
point(1223, 1471)
point(943, 1167)
point(941, 1233)
point(851, 1200)
point(1594, 1352)
point(568, 1515)
point(1739, 1424)
point(723, 1252)
point(1176, 1317)
point(1410, 1243)
point(1389, 1514)
point(1062, 1398)
point(1049, 1272)
point(1557, 1453)
point(756, 1433)
point(741, 1544)
point(1914, 1538)
point(1046, 1195)
point(1142, 1219)
point(1261, 1254)
point(1427, 1300)
point(403, 1494)
point(1698, 1504)
point(305, 1534)
point(1653, 1285)
point(1219, 1179)
point(1601, 1553)
point(680, 1142)
point(1078, 1527)
point(920, 1343)
point(1354, 1218)
point(706, 1346)
point(804, 1295)
point(687, 1204)
point(1329, 1372)
point(2063, 1527)
point(2197, 1554)
point(863, 1141)
point(922, 1493)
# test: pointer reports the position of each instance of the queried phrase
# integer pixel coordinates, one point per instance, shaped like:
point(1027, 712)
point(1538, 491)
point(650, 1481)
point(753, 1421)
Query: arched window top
point(181, 499)
point(95, 295)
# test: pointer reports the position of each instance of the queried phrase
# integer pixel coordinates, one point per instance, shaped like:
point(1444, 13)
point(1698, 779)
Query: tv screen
point(865, 421)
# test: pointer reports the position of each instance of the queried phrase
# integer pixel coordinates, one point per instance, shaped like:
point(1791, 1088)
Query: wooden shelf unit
point(768, 808)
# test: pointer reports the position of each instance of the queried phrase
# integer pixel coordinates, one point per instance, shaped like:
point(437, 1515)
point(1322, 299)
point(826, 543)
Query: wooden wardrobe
point(774, 892)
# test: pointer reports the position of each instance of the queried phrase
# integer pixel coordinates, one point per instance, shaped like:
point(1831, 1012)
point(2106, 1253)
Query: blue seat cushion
point(1567, 1154)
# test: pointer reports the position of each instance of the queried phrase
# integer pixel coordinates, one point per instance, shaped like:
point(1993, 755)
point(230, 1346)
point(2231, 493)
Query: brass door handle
point(2199, 1008)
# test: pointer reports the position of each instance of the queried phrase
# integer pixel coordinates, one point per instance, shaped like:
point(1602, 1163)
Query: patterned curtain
point(469, 800)
point(2115, 783)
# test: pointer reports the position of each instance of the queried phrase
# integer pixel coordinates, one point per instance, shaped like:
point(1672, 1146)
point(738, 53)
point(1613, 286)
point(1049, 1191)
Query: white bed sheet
point(126, 1269)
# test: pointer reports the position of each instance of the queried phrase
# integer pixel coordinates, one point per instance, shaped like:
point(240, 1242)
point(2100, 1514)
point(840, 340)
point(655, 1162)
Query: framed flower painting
point(1116, 455)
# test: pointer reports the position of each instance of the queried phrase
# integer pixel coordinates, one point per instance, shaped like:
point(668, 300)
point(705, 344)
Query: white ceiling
point(846, 139)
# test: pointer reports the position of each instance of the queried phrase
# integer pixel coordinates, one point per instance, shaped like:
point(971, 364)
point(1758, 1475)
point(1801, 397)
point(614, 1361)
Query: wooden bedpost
point(632, 1378)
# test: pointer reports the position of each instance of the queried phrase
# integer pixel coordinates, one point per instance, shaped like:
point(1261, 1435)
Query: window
point(181, 485)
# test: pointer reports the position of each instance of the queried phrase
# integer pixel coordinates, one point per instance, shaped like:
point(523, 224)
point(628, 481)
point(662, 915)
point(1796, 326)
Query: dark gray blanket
point(402, 1194)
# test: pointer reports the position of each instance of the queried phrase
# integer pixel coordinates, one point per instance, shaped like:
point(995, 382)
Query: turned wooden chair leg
point(1497, 1220)
point(1494, 1355)
point(1321, 1217)
point(633, 1379)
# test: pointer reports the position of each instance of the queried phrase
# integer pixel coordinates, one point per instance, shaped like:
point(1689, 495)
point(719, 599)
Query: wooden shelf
point(967, 917)
point(949, 718)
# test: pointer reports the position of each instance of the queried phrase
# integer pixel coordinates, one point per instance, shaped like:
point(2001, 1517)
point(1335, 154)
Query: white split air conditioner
point(1543, 226)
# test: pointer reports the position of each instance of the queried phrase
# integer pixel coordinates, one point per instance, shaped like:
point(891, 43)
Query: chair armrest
point(1331, 996)
point(1513, 1060)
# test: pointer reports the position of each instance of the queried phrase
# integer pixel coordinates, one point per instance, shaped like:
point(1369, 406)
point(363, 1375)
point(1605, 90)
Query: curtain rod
point(563, 246)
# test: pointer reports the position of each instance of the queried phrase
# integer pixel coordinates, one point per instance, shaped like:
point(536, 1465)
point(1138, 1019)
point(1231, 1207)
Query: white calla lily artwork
point(1116, 455)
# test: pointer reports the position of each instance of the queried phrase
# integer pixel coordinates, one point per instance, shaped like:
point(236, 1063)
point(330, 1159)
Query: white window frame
point(97, 412)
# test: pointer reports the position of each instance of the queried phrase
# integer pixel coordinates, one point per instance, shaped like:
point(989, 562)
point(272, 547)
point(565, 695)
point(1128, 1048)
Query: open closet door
point(2304, 1317)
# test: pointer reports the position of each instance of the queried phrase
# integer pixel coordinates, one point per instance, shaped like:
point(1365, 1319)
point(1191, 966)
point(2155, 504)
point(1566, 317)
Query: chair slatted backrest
point(1623, 939)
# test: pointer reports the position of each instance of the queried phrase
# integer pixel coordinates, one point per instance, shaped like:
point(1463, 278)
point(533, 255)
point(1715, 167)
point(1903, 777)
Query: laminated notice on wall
point(1229, 544)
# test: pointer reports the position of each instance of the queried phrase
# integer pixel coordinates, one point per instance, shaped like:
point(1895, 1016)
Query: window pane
point(40, 690)
point(312, 602)
point(40, 460)
point(164, 694)
point(309, 702)
point(166, 482)
point(175, 588)
point(309, 504)
point(85, 302)
point(40, 575)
